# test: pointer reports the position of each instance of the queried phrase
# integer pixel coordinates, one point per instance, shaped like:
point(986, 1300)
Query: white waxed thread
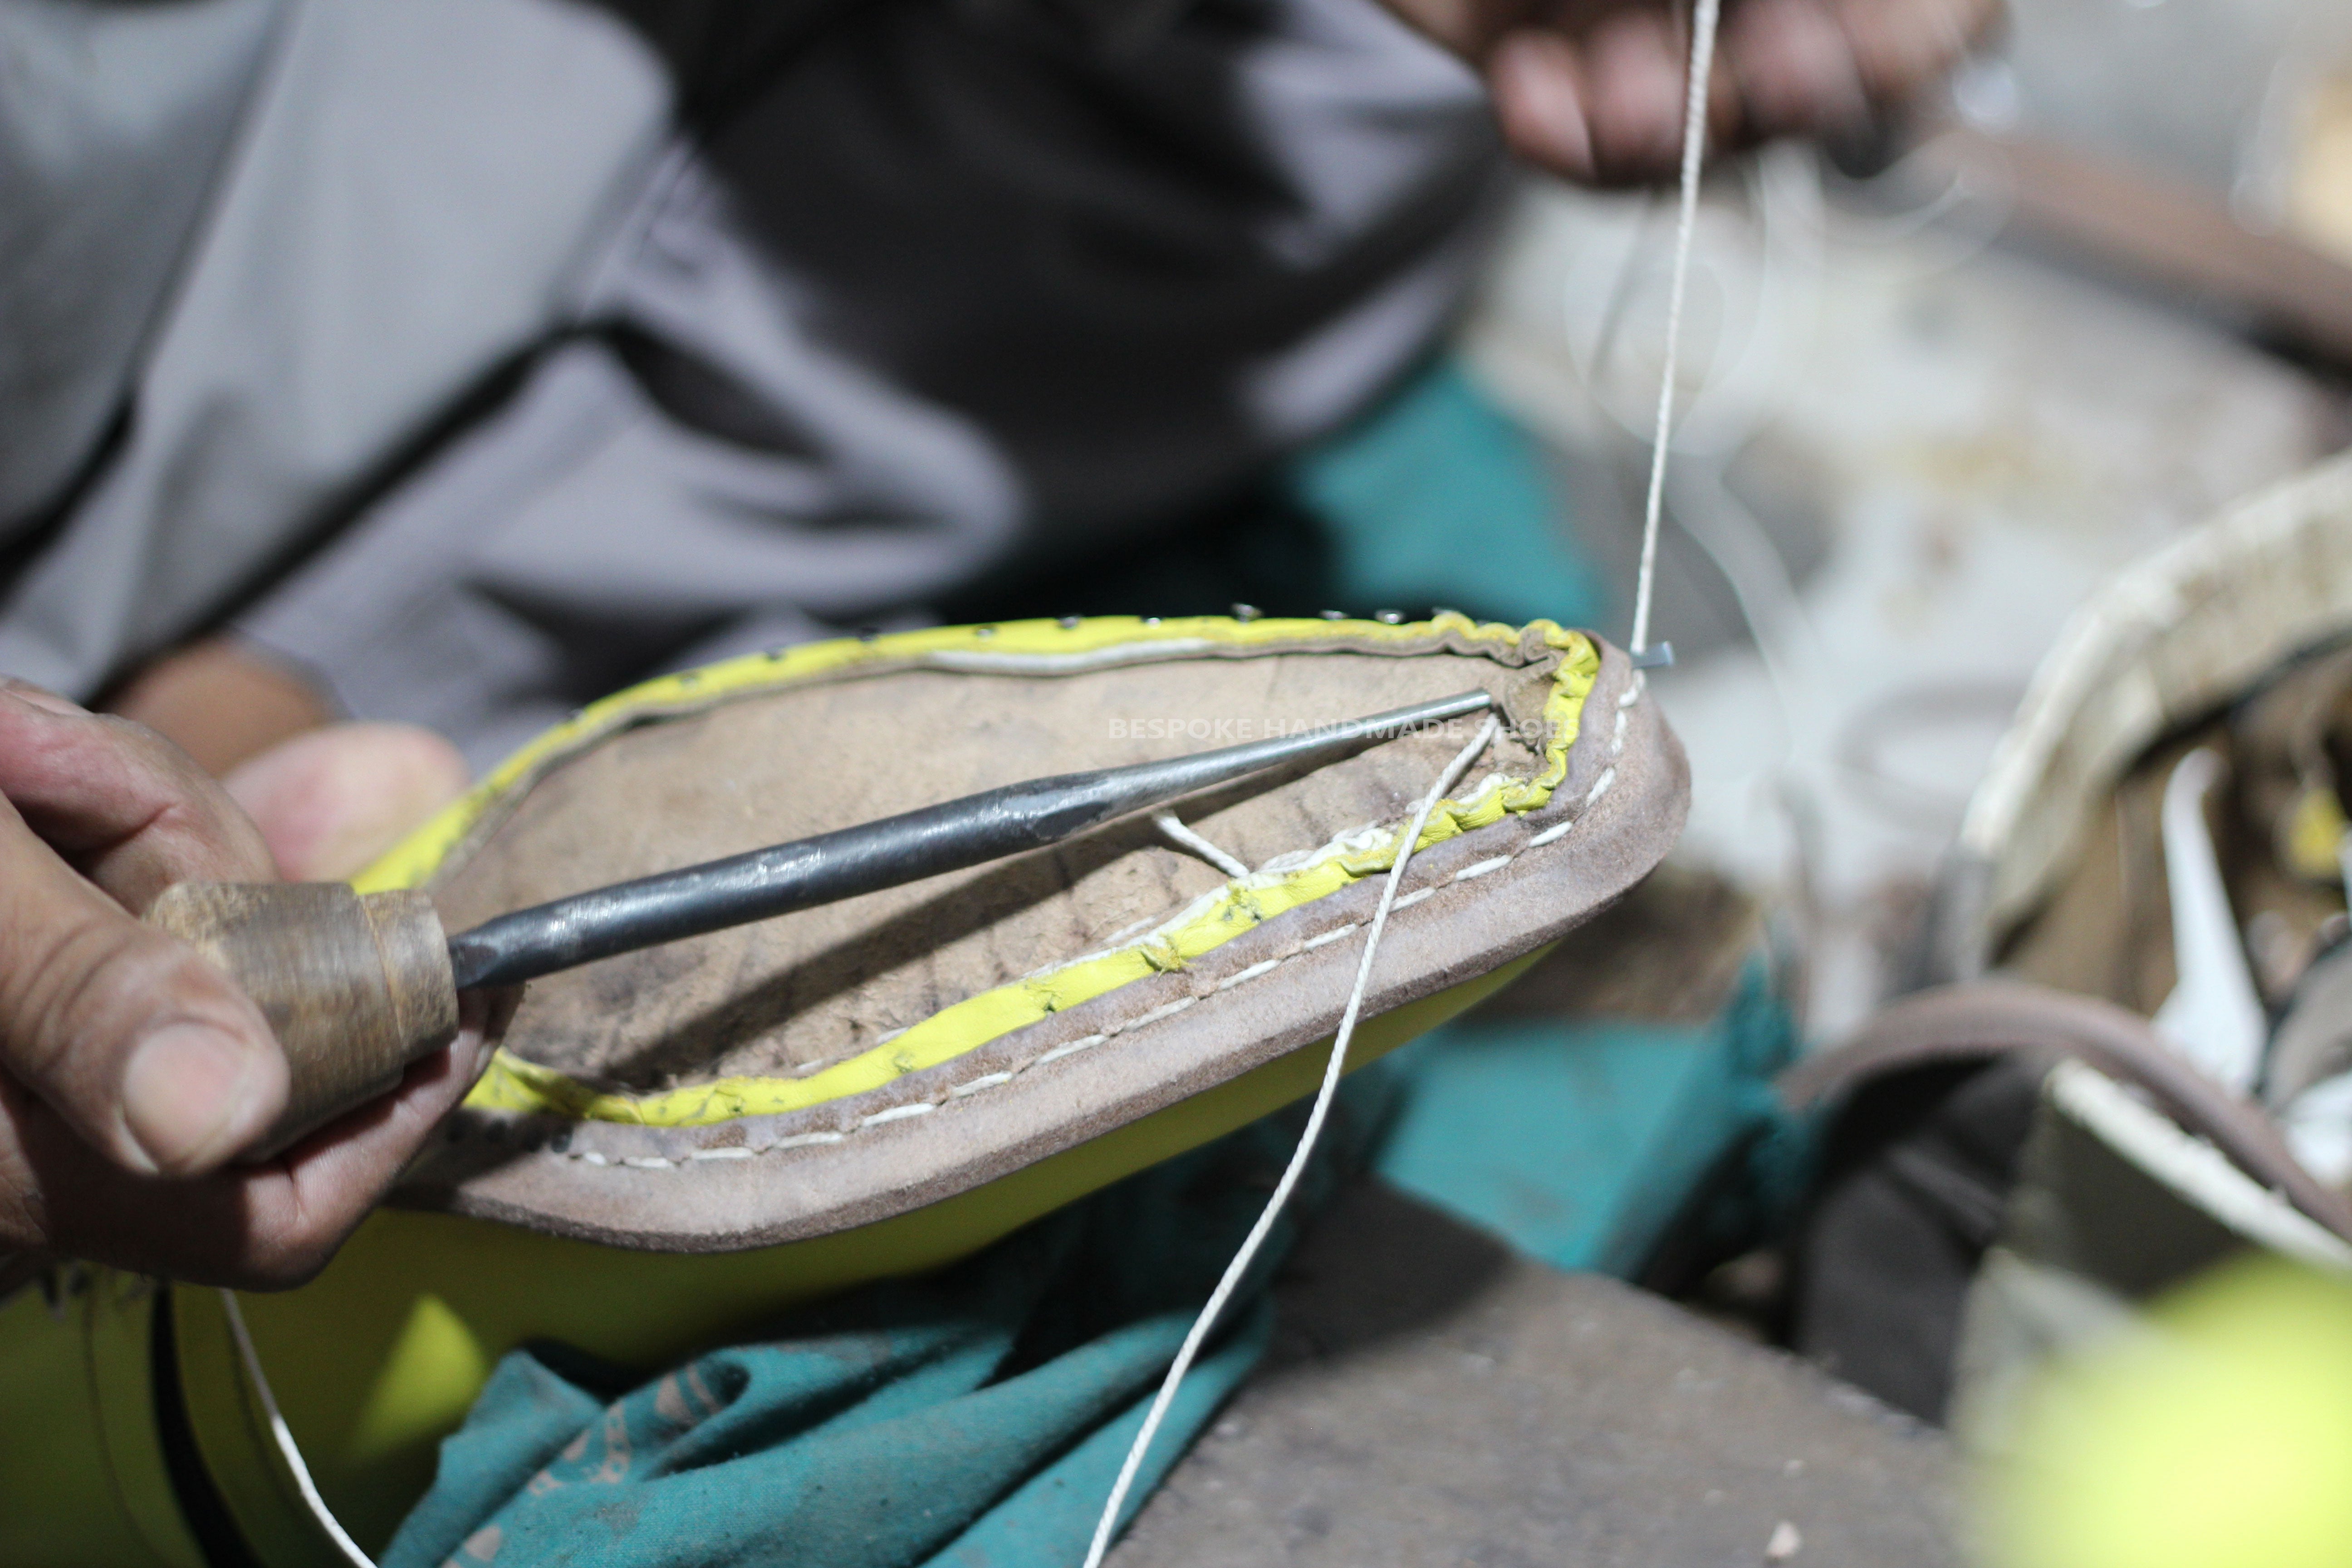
point(1703, 21)
point(284, 1437)
point(1167, 821)
point(1332, 1070)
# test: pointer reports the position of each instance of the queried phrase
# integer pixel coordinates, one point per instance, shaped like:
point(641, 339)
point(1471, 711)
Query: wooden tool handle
point(355, 987)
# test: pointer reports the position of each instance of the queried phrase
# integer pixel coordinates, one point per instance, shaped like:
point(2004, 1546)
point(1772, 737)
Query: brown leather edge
point(1979, 1020)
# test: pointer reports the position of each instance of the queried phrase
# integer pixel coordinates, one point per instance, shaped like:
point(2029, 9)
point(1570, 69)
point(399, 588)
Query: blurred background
point(1928, 417)
point(1943, 390)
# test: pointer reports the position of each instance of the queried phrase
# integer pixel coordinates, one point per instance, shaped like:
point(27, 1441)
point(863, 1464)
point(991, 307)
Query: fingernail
point(468, 1053)
point(32, 696)
point(184, 1094)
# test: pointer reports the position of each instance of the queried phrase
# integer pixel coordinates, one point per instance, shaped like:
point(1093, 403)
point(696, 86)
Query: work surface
point(1434, 1399)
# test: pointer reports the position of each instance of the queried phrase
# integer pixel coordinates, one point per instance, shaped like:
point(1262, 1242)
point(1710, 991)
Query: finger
point(40, 697)
point(1726, 111)
point(1793, 68)
point(1537, 83)
point(326, 1184)
point(1467, 28)
point(122, 805)
point(269, 1226)
point(330, 803)
point(1900, 45)
point(146, 1050)
point(222, 702)
point(1635, 77)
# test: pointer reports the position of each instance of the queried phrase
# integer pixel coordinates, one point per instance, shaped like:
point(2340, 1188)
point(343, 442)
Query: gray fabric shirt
point(479, 355)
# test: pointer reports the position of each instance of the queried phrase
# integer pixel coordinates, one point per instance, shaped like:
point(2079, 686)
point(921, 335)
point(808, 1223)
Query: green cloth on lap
point(974, 1420)
point(876, 1445)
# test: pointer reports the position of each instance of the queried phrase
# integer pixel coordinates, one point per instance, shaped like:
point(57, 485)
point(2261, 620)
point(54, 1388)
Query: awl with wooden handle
point(357, 986)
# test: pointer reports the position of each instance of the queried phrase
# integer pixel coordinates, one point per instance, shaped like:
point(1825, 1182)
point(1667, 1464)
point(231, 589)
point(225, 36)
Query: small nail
point(469, 1053)
point(183, 1095)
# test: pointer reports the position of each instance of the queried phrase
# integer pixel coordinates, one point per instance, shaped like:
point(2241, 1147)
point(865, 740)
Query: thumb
point(151, 1054)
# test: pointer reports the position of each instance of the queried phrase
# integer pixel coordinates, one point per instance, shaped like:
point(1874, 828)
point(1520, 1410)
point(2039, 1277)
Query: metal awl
point(955, 834)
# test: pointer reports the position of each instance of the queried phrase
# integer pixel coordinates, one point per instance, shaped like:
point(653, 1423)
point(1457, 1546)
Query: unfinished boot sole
point(844, 1065)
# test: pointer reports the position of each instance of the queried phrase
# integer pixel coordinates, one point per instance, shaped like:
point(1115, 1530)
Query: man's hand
point(132, 1072)
point(1593, 88)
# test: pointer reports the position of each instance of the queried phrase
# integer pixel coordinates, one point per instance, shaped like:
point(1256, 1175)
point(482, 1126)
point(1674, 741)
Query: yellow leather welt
point(512, 1083)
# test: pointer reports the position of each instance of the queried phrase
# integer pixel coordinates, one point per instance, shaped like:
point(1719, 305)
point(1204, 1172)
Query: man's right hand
point(1593, 90)
point(133, 1073)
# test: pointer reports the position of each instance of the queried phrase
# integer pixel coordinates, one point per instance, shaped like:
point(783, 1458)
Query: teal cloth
point(974, 1420)
point(1583, 1141)
point(1437, 497)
